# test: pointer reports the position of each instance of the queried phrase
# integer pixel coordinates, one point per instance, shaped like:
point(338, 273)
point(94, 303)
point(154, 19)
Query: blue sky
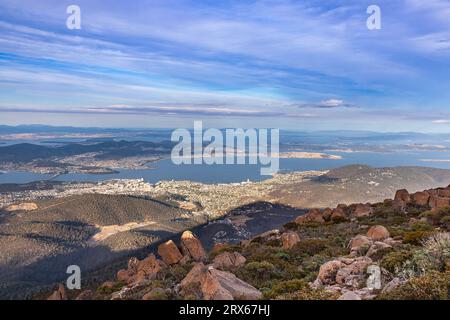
point(307, 65)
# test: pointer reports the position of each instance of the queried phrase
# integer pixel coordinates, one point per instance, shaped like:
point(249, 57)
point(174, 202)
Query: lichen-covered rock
point(328, 271)
point(378, 249)
point(354, 273)
point(360, 244)
point(228, 260)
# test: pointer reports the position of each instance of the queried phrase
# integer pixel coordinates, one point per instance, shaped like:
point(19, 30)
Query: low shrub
point(310, 247)
point(394, 261)
point(431, 286)
point(284, 287)
point(416, 237)
point(435, 253)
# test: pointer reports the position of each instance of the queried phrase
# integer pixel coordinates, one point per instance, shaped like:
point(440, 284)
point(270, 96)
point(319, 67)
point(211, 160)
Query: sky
point(306, 65)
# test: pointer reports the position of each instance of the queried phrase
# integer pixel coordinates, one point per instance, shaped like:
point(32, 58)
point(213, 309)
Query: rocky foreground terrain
point(395, 249)
point(92, 225)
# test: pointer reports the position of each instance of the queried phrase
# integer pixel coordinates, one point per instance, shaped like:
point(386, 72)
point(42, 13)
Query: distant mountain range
point(26, 152)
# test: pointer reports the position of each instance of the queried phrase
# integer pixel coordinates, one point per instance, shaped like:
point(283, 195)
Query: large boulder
point(391, 285)
point(313, 215)
point(421, 198)
point(228, 260)
point(338, 215)
point(59, 293)
point(212, 284)
point(378, 233)
point(445, 192)
point(328, 271)
point(289, 239)
point(362, 210)
point(353, 274)
point(326, 214)
point(360, 244)
point(191, 246)
point(238, 289)
point(439, 202)
point(169, 252)
point(403, 196)
point(138, 271)
point(378, 250)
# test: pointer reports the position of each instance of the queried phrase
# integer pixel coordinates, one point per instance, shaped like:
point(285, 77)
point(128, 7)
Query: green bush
point(431, 286)
point(259, 270)
point(310, 294)
point(421, 226)
point(105, 290)
point(310, 247)
point(394, 261)
point(415, 237)
point(227, 248)
point(284, 287)
point(435, 216)
point(435, 253)
point(297, 289)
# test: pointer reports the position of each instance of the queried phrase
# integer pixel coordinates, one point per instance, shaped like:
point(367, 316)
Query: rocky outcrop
point(209, 283)
point(192, 247)
point(353, 274)
point(378, 250)
point(362, 210)
point(421, 198)
point(169, 252)
point(228, 260)
point(138, 271)
point(339, 214)
point(360, 244)
point(328, 271)
point(402, 196)
point(438, 202)
point(313, 215)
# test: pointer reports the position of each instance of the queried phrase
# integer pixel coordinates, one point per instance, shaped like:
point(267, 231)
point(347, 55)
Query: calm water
point(166, 170)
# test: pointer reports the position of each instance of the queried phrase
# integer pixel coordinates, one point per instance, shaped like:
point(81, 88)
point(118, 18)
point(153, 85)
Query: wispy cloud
point(260, 59)
point(328, 104)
